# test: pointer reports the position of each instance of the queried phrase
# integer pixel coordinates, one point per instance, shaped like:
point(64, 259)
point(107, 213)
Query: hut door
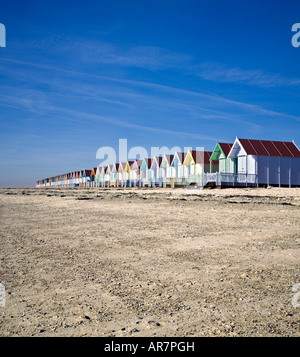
point(235, 168)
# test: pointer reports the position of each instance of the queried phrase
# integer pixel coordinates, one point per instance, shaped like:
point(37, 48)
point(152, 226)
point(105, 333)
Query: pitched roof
point(270, 148)
point(169, 158)
point(148, 162)
point(137, 164)
point(202, 157)
point(87, 172)
point(122, 166)
point(158, 159)
point(181, 156)
point(226, 147)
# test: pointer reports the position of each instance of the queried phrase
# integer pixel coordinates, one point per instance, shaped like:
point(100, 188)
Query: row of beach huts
point(243, 163)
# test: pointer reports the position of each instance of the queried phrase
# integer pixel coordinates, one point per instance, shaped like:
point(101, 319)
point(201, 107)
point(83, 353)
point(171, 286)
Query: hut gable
point(156, 162)
point(122, 166)
point(128, 165)
point(178, 158)
point(166, 160)
point(136, 165)
point(146, 164)
point(220, 151)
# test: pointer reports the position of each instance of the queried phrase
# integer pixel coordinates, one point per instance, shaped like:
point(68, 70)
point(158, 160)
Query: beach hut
point(102, 176)
point(62, 180)
point(196, 163)
point(177, 178)
point(106, 177)
point(113, 175)
point(124, 169)
point(71, 179)
point(155, 176)
point(135, 173)
point(120, 175)
point(220, 154)
point(266, 162)
point(166, 169)
point(80, 178)
point(145, 172)
point(93, 177)
point(86, 176)
point(126, 173)
point(77, 178)
point(98, 176)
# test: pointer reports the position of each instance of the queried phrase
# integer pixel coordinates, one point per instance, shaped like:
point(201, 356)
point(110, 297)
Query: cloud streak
point(199, 105)
point(221, 73)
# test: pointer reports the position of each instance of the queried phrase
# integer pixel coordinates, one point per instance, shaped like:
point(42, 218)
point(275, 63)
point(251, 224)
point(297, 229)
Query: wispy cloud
point(148, 57)
point(94, 51)
point(255, 77)
point(198, 105)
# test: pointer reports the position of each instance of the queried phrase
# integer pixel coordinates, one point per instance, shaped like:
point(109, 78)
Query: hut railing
point(230, 179)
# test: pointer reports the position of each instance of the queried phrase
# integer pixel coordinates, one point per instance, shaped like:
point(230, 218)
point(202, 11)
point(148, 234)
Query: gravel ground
point(150, 262)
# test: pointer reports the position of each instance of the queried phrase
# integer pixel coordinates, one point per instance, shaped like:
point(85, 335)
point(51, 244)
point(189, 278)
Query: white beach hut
point(265, 162)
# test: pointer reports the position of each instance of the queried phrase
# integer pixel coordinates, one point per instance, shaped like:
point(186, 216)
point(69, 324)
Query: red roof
point(270, 148)
point(136, 164)
point(87, 172)
point(169, 158)
point(122, 166)
point(159, 160)
point(181, 156)
point(148, 162)
point(200, 156)
point(226, 147)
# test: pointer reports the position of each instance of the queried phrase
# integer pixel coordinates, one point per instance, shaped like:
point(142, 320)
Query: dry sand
point(149, 262)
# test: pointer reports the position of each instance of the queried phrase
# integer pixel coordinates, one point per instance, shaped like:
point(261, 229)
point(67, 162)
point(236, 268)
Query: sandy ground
point(150, 262)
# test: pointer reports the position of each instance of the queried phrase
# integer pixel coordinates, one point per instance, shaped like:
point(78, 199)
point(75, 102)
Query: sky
point(78, 76)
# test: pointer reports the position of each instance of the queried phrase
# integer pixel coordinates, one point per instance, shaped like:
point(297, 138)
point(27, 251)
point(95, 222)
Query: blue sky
point(79, 75)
